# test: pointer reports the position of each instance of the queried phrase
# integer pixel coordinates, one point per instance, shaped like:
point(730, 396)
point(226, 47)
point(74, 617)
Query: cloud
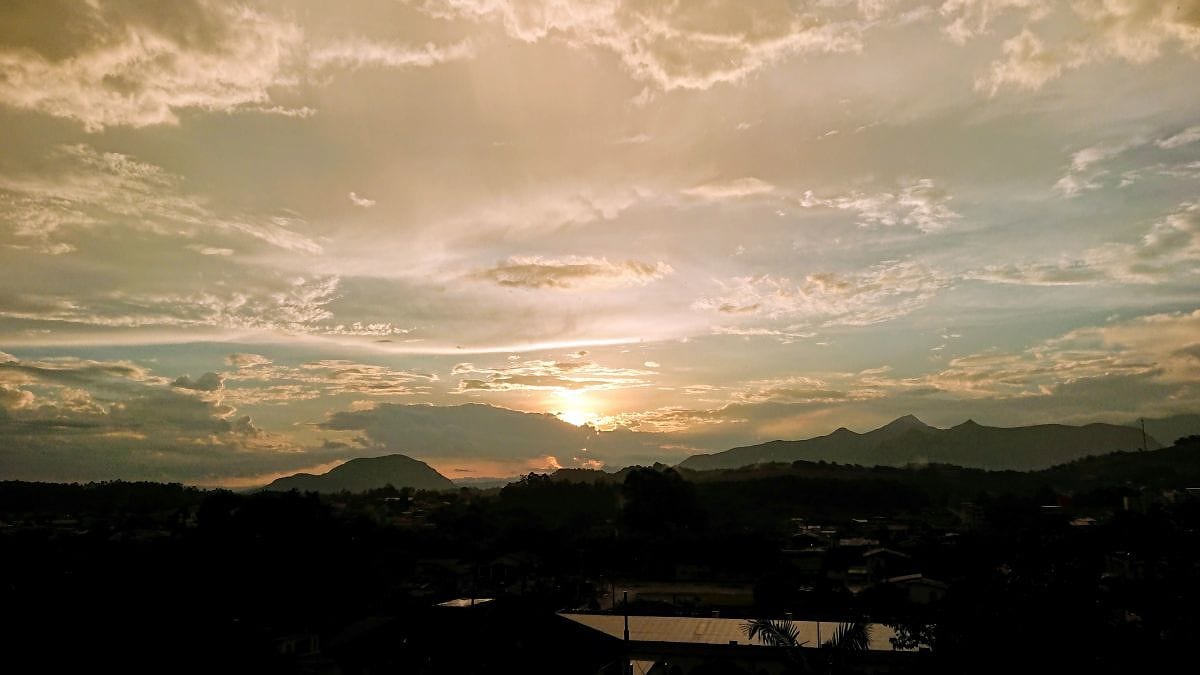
point(572, 272)
point(136, 64)
point(13, 398)
point(1168, 251)
point(119, 63)
point(206, 382)
point(1092, 167)
point(674, 45)
point(358, 200)
point(574, 375)
point(90, 190)
point(358, 53)
point(971, 18)
point(1185, 137)
point(477, 434)
point(548, 208)
point(378, 329)
point(741, 187)
point(881, 293)
point(241, 360)
point(210, 250)
point(669, 420)
point(1148, 347)
point(76, 419)
point(1134, 31)
point(921, 204)
point(293, 304)
point(799, 389)
point(1081, 176)
point(258, 380)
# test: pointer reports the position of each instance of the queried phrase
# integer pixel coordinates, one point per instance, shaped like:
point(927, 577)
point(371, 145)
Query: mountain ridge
point(367, 473)
point(908, 440)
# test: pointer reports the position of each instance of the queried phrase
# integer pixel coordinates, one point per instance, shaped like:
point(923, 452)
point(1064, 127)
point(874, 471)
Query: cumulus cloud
point(921, 204)
point(120, 63)
point(281, 304)
point(1134, 31)
point(1093, 167)
point(259, 380)
point(1028, 64)
point(971, 18)
point(1168, 251)
point(137, 64)
point(1147, 346)
point(879, 294)
point(674, 45)
point(206, 382)
point(89, 189)
point(572, 272)
point(1082, 176)
point(741, 187)
point(363, 53)
point(483, 435)
point(210, 250)
point(77, 419)
point(359, 200)
point(799, 389)
point(1178, 140)
point(242, 360)
point(574, 375)
point(670, 420)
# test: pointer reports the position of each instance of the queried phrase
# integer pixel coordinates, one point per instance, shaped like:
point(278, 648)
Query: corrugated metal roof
point(464, 602)
point(703, 630)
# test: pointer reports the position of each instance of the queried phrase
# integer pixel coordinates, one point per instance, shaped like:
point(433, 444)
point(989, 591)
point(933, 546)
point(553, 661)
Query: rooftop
point(704, 630)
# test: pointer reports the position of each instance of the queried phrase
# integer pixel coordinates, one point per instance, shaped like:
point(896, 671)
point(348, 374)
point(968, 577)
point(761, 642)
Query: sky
point(239, 240)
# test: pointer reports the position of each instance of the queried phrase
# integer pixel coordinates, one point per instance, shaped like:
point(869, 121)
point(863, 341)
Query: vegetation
point(1094, 560)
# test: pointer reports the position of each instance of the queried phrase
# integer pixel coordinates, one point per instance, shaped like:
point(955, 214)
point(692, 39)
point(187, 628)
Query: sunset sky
point(236, 237)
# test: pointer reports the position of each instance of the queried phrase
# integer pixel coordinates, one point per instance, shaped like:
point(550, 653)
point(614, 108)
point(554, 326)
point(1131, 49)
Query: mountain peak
point(906, 422)
point(368, 473)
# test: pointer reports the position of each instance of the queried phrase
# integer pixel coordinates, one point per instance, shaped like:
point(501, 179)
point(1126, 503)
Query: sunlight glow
point(573, 408)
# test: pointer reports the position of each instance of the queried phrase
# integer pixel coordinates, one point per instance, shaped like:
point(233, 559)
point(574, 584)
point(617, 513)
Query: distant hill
point(484, 431)
point(368, 473)
point(908, 440)
point(1170, 429)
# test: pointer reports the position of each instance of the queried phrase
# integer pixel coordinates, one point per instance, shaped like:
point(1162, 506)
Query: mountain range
point(367, 473)
point(908, 440)
point(431, 431)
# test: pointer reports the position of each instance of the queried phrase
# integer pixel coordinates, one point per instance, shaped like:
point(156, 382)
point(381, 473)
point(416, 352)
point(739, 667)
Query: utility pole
point(1143, 421)
point(628, 669)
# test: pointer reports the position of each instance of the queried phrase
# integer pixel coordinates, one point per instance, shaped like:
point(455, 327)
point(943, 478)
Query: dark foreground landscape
point(1090, 564)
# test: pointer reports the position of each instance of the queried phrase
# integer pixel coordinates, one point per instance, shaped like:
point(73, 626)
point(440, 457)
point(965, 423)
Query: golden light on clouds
point(421, 227)
point(573, 407)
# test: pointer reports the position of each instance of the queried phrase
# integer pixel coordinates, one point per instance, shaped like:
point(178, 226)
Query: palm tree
point(853, 636)
point(779, 633)
point(773, 632)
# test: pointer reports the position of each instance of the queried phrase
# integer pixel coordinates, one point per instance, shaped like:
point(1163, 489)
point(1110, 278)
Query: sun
point(573, 408)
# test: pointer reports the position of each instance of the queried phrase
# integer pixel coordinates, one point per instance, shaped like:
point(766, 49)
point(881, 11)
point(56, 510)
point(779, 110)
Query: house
point(884, 563)
point(920, 589)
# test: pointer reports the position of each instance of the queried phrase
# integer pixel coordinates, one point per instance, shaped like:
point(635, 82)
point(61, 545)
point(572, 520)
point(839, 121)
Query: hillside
point(1169, 429)
point(907, 440)
point(367, 473)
